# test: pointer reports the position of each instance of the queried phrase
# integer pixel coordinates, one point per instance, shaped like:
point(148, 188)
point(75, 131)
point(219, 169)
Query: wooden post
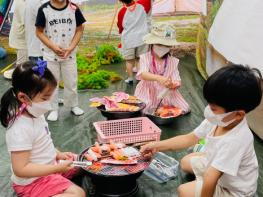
point(112, 23)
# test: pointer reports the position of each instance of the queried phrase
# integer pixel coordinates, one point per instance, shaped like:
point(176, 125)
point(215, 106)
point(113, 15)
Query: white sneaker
point(77, 111)
point(60, 101)
point(53, 116)
point(8, 74)
point(129, 81)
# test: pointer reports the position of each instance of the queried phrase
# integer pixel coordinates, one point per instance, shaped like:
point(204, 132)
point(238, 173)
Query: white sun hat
point(161, 33)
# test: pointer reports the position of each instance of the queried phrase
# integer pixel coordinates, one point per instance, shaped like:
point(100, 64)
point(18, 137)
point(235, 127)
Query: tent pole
point(115, 13)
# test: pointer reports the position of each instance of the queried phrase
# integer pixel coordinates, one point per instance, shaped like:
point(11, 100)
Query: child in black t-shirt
point(59, 26)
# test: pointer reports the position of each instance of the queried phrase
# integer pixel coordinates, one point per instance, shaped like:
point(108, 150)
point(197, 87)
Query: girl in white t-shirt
point(32, 152)
point(228, 167)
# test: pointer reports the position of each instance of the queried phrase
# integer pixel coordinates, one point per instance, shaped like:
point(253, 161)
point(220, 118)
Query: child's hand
point(64, 167)
point(163, 80)
point(175, 85)
point(169, 84)
point(67, 52)
point(59, 51)
point(149, 150)
point(65, 156)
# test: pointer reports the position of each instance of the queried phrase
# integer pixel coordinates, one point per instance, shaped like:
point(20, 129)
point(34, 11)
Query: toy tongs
point(161, 97)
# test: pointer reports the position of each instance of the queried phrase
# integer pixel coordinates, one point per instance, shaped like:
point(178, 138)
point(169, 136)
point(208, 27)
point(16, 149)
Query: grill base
point(126, 186)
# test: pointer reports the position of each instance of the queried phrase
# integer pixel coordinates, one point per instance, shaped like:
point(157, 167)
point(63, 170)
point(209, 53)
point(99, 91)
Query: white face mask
point(161, 51)
point(217, 119)
point(39, 109)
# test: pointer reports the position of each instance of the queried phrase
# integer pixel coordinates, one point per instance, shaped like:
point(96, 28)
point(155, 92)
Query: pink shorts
point(46, 186)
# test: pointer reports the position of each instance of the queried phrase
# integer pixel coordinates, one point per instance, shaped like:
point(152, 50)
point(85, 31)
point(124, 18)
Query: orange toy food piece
point(88, 157)
point(113, 146)
point(95, 149)
point(97, 145)
point(168, 111)
point(95, 167)
point(118, 155)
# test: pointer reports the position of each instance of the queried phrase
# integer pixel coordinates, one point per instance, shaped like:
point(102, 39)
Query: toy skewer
point(83, 164)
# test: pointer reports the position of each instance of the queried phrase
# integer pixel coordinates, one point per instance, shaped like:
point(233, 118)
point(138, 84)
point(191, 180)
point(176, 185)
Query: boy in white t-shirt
point(228, 166)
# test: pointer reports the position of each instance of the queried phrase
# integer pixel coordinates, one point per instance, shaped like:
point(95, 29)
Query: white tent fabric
point(237, 32)
point(164, 7)
point(191, 6)
point(237, 35)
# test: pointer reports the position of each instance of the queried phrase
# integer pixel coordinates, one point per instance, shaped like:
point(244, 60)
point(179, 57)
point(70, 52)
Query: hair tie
point(13, 91)
point(40, 67)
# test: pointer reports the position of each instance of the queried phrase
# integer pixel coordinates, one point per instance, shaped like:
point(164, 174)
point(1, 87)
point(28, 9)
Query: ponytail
point(8, 108)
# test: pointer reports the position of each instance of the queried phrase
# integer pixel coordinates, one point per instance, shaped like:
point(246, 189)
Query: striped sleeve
point(144, 65)
point(174, 73)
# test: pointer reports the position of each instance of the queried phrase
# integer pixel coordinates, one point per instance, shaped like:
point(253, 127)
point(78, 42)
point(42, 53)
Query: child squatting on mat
point(228, 166)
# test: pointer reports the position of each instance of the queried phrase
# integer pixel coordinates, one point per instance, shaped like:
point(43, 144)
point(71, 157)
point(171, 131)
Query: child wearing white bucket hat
point(159, 70)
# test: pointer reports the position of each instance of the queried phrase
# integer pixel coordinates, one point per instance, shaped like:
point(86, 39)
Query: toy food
point(118, 155)
point(124, 107)
point(168, 111)
point(118, 102)
point(112, 153)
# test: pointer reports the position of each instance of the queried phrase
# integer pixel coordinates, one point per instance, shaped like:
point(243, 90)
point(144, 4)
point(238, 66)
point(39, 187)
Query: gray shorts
point(134, 53)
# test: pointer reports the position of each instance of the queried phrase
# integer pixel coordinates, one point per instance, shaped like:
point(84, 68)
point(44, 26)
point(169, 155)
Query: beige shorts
point(134, 53)
point(199, 166)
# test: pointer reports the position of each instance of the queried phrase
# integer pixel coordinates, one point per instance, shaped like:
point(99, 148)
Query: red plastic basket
point(127, 131)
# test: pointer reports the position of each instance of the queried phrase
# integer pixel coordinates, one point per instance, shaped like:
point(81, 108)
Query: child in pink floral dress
point(159, 71)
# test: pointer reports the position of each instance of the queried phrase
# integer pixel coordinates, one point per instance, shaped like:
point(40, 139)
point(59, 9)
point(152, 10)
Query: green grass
point(186, 34)
point(98, 7)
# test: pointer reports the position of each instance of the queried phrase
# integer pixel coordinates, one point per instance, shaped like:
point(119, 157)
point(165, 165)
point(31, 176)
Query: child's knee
point(185, 164)
point(78, 191)
point(181, 191)
point(81, 192)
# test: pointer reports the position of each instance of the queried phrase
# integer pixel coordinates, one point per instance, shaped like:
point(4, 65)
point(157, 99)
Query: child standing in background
point(60, 26)
point(33, 43)
point(133, 26)
point(17, 39)
point(35, 171)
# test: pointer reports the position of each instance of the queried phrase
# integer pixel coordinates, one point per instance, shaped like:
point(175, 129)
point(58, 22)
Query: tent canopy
point(170, 7)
